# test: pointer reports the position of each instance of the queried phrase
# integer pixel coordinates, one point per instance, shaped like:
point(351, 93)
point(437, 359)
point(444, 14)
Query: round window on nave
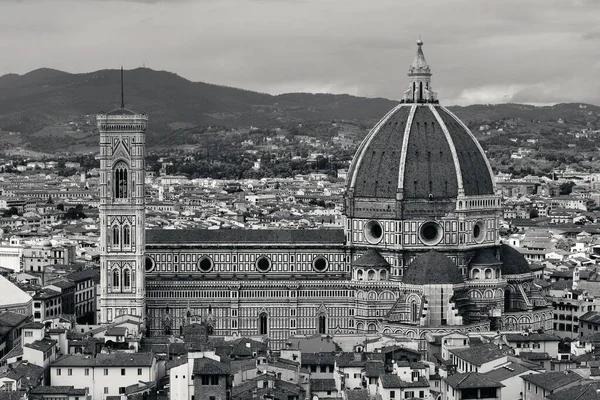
point(205, 264)
point(263, 263)
point(373, 231)
point(320, 264)
point(149, 263)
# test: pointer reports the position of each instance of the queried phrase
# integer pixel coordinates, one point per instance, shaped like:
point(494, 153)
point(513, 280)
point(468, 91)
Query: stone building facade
point(419, 251)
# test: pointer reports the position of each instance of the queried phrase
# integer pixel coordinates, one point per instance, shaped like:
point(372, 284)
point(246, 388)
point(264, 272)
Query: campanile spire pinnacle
point(122, 95)
point(420, 79)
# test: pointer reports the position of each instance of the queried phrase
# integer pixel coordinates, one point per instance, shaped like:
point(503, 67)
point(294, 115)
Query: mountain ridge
point(44, 99)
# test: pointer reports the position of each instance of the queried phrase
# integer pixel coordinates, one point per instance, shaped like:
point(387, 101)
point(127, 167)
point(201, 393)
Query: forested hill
point(39, 105)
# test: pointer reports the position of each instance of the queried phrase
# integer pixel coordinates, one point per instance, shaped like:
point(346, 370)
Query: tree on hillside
point(566, 187)
point(10, 212)
point(72, 213)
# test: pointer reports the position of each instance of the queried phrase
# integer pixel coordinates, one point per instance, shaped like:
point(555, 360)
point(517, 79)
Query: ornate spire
point(419, 64)
point(420, 80)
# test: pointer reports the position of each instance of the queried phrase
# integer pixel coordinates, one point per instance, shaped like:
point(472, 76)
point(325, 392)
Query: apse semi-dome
point(513, 262)
point(432, 268)
point(419, 151)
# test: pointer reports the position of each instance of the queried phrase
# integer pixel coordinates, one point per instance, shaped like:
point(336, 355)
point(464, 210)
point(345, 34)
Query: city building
point(105, 374)
point(419, 251)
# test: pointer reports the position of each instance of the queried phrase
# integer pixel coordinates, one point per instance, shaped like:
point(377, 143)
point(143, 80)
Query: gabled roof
point(471, 380)
point(506, 372)
point(552, 380)
point(391, 381)
point(591, 316)
point(208, 366)
point(587, 391)
point(532, 337)
point(11, 319)
point(479, 355)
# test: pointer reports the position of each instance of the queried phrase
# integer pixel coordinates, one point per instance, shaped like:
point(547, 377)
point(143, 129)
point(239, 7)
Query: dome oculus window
point(149, 263)
point(479, 231)
point(431, 233)
point(320, 264)
point(205, 264)
point(373, 232)
point(263, 264)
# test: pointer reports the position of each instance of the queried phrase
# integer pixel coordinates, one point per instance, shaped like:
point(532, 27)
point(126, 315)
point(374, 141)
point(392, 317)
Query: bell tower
point(122, 207)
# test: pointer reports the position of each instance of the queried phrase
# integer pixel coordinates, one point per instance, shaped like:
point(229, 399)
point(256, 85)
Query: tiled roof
point(552, 380)
point(41, 345)
point(587, 391)
point(106, 360)
point(392, 381)
point(116, 331)
point(12, 319)
point(534, 355)
point(325, 358)
point(506, 372)
point(357, 359)
point(532, 337)
point(208, 366)
point(478, 355)
point(62, 284)
point(322, 385)
point(374, 368)
point(471, 380)
point(245, 236)
point(591, 316)
point(177, 362)
point(361, 394)
point(13, 395)
point(64, 390)
point(84, 275)
point(34, 325)
point(30, 374)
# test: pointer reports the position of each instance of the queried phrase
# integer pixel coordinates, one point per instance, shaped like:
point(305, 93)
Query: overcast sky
point(480, 51)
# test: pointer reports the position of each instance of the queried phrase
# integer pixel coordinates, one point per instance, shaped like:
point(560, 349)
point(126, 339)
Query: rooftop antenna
point(122, 97)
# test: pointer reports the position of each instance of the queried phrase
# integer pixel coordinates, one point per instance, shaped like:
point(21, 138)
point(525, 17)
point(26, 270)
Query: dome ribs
point(378, 169)
point(477, 175)
point(429, 167)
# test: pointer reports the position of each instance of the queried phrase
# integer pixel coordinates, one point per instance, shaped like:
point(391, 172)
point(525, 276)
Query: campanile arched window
point(126, 235)
point(127, 278)
point(116, 278)
point(120, 180)
point(116, 235)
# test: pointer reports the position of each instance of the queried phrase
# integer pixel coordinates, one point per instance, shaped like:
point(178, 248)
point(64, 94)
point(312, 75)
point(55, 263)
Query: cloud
point(478, 51)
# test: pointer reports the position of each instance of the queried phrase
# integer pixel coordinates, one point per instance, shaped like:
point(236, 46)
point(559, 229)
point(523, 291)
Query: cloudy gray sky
point(480, 51)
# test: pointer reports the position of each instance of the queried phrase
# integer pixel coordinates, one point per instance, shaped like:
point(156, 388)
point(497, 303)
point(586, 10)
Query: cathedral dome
point(432, 268)
point(419, 151)
point(513, 262)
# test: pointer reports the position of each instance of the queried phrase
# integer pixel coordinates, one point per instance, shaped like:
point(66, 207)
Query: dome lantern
point(420, 90)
